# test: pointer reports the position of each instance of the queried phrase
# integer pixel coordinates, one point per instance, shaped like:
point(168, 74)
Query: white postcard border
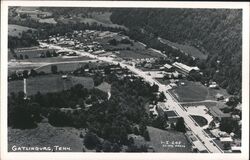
point(138, 156)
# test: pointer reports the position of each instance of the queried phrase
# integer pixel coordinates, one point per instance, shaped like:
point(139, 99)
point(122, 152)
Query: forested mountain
point(218, 31)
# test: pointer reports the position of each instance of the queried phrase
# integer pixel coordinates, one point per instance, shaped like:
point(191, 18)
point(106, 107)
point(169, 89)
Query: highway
point(203, 138)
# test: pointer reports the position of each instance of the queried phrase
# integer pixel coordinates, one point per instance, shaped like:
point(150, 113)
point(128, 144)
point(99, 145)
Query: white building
point(184, 68)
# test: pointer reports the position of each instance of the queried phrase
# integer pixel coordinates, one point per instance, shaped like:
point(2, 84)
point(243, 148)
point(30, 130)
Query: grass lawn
point(191, 92)
point(16, 30)
point(157, 136)
point(48, 20)
point(33, 53)
point(213, 92)
point(46, 135)
point(192, 51)
point(135, 51)
point(102, 17)
point(90, 21)
point(65, 67)
point(200, 120)
point(49, 83)
point(58, 59)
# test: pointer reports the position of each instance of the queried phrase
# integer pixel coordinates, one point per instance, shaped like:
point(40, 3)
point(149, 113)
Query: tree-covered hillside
point(217, 31)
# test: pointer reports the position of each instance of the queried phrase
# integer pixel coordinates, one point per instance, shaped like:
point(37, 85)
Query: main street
point(203, 138)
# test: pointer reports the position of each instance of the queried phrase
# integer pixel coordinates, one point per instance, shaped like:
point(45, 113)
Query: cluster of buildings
point(80, 40)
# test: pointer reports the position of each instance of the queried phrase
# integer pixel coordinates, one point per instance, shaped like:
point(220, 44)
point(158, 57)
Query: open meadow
point(190, 92)
point(192, 51)
point(49, 83)
point(46, 135)
point(17, 30)
point(160, 138)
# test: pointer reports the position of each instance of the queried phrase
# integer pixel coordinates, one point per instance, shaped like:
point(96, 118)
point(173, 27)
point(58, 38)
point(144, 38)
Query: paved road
point(204, 139)
point(198, 102)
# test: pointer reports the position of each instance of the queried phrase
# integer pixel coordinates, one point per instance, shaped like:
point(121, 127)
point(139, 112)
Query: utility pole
point(25, 88)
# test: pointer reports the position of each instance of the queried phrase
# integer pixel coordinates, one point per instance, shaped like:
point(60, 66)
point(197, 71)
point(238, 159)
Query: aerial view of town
point(124, 80)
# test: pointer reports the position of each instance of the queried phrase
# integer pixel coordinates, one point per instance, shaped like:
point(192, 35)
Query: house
point(226, 139)
point(64, 76)
point(185, 69)
point(236, 117)
point(148, 65)
point(154, 111)
point(219, 96)
point(168, 68)
point(217, 113)
point(214, 85)
point(239, 107)
point(236, 149)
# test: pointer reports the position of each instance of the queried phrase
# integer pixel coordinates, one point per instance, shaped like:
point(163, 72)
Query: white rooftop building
point(184, 68)
point(168, 66)
point(226, 139)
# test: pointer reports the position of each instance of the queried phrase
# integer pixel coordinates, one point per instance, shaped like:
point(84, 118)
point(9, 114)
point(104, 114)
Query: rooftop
point(199, 146)
point(168, 66)
point(226, 139)
point(184, 67)
point(216, 112)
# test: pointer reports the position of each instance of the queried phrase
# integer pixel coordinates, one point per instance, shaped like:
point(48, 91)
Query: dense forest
point(218, 31)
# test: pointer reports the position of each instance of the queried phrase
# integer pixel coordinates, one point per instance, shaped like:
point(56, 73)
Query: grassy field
point(191, 92)
point(213, 92)
point(200, 120)
point(32, 53)
point(97, 19)
point(135, 46)
point(138, 54)
point(57, 59)
point(65, 67)
point(102, 17)
point(46, 135)
point(69, 67)
point(45, 66)
point(135, 51)
point(48, 20)
point(192, 51)
point(157, 136)
point(16, 30)
point(195, 91)
point(49, 83)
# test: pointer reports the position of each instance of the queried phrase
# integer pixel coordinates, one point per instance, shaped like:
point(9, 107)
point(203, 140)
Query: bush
point(91, 141)
point(54, 69)
point(180, 126)
point(23, 115)
point(60, 119)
